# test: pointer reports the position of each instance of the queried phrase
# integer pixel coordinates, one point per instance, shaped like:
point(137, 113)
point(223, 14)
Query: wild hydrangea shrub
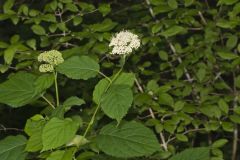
point(71, 89)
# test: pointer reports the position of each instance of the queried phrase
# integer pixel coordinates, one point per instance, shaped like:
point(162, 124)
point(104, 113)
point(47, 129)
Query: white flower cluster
point(51, 59)
point(124, 43)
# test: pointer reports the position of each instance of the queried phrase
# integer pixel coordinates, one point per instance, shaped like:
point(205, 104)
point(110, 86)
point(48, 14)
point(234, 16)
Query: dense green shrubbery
point(179, 91)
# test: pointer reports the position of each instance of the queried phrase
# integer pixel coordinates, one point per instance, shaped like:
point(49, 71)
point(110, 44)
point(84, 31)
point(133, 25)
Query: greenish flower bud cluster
point(46, 68)
point(50, 59)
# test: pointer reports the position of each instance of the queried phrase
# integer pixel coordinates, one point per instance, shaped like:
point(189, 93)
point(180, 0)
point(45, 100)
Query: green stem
point(48, 101)
point(56, 87)
point(117, 74)
point(102, 74)
point(122, 62)
point(92, 120)
point(98, 106)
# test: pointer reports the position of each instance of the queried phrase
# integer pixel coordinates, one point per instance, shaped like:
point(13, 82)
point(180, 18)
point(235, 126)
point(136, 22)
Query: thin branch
point(186, 132)
point(102, 74)
point(202, 17)
point(235, 132)
point(10, 129)
point(43, 97)
point(164, 144)
point(59, 34)
point(180, 61)
point(195, 29)
point(80, 14)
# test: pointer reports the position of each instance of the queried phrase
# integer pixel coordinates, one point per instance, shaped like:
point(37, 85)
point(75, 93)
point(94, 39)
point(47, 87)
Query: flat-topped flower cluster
point(124, 43)
point(50, 59)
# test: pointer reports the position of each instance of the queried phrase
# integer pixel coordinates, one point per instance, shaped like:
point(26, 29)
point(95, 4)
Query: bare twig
point(195, 29)
point(170, 44)
point(9, 129)
point(235, 132)
point(48, 102)
point(202, 17)
point(80, 14)
point(164, 144)
point(180, 61)
point(186, 132)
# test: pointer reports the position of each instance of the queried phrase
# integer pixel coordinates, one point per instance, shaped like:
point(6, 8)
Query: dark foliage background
point(187, 70)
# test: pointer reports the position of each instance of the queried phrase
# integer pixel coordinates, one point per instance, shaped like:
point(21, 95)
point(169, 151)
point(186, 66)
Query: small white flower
point(124, 42)
point(52, 57)
point(46, 68)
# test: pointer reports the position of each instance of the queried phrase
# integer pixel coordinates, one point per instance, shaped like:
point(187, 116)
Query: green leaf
point(188, 2)
point(125, 79)
point(57, 155)
point(14, 39)
point(105, 26)
point(226, 24)
point(67, 154)
point(34, 143)
point(3, 68)
point(79, 68)
point(130, 139)
point(223, 106)
point(8, 5)
point(179, 105)
point(86, 6)
point(39, 30)
point(227, 2)
point(172, 31)
point(3, 44)
point(227, 55)
point(58, 132)
point(163, 55)
point(152, 86)
point(52, 28)
point(165, 99)
point(219, 143)
point(33, 128)
point(235, 118)
point(19, 90)
point(44, 82)
point(77, 20)
point(72, 7)
point(232, 41)
point(73, 101)
point(156, 28)
point(4, 17)
point(116, 101)
point(33, 124)
point(99, 90)
point(200, 153)
point(182, 137)
point(32, 43)
point(12, 148)
point(104, 8)
point(66, 1)
point(201, 73)
point(49, 18)
point(86, 155)
point(237, 81)
point(161, 9)
point(211, 111)
point(237, 110)
point(228, 126)
point(9, 54)
point(173, 4)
